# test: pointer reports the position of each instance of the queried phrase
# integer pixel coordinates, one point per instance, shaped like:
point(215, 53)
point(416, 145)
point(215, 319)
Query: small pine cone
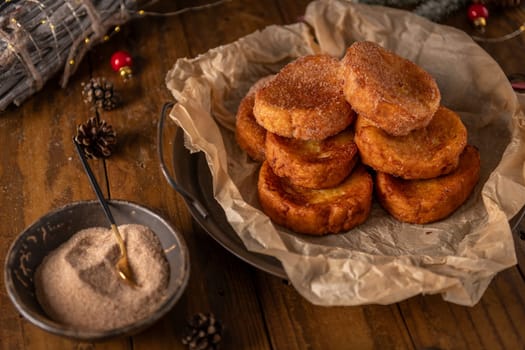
point(203, 332)
point(98, 92)
point(96, 138)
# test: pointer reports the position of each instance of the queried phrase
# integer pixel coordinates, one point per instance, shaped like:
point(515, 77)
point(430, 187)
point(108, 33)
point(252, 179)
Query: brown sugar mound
point(422, 154)
point(305, 100)
point(316, 212)
point(312, 164)
point(392, 92)
point(425, 201)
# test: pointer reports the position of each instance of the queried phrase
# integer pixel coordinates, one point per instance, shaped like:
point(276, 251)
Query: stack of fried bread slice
point(321, 125)
point(424, 168)
point(310, 181)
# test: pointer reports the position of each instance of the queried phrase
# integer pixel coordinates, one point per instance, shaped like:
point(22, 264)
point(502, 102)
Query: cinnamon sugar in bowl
point(54, 231)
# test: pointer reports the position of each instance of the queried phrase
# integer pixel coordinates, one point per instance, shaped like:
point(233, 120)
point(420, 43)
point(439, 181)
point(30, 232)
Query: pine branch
point(393, 3)
point(437, 10)
point(38, 38)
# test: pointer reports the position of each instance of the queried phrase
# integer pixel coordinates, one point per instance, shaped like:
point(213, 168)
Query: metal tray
point(194, 183)
point(194, 176)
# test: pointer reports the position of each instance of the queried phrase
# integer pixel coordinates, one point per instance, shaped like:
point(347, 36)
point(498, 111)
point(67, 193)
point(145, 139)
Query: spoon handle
point(101, 198)
point(122, 265)
point(94, 184)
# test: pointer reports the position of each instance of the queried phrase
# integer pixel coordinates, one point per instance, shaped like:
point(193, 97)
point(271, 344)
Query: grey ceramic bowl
point(56, 227)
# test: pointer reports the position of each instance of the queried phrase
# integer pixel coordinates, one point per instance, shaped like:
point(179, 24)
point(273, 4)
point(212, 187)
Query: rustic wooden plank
point(228, 22)
point(295, 323)
point(42, 175)
point(493, 323)
point(506, 54)
point(12, 213)
point(500, 22)
point(438, 328)
point(37, 339)
point(219, 282)
point(61, 179)
point(223, 285)
point(519, 243)
point(292, 11)
point(228, 280)
point(40, 139)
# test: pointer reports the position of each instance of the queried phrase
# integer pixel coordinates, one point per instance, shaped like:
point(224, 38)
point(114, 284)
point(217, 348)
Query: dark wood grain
point(493, 323)
point(227, 23)
point(501, 22)
point(11, 192)
point(217, 281)
point(508, 54)
point(294, 323)
point(39, 172)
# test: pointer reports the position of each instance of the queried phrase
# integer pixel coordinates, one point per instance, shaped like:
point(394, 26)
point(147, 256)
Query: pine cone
point(203, 332)
point(98, 92)
point(96, 138)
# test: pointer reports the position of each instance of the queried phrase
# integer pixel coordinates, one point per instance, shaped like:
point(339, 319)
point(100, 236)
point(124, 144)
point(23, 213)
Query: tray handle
point(190, 199)
point(517, 224)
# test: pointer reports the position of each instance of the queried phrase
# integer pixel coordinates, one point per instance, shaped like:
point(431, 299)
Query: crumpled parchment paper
point(382, 261)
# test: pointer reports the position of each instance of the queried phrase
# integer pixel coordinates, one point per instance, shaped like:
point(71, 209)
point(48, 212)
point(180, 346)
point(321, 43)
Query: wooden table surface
point(39, 172)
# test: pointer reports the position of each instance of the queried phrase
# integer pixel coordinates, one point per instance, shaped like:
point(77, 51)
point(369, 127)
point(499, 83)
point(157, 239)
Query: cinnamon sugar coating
point(305, 100)
point(392, 92)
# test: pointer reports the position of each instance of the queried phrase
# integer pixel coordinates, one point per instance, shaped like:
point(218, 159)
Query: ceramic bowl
point(55, 228)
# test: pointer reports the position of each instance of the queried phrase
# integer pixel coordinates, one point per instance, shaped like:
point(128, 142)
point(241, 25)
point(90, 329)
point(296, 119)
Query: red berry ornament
point(478, 14)
point(122, 62)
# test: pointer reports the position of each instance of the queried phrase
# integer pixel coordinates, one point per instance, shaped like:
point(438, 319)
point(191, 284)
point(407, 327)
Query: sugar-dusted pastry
point(312, 163)
point(316, 212)
point(425, 201)
point(422, 154)
point(248, 133)
point(305, 100)
point(392, 92)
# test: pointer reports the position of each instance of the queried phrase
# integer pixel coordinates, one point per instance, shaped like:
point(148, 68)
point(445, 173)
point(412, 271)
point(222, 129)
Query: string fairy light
point(181, 11)
point(502, 38)
point(39, 37)
point(144, 13)
point(478, 14)
point(437, 10)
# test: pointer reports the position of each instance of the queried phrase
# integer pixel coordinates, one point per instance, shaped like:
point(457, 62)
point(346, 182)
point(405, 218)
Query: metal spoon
point(122, 265)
